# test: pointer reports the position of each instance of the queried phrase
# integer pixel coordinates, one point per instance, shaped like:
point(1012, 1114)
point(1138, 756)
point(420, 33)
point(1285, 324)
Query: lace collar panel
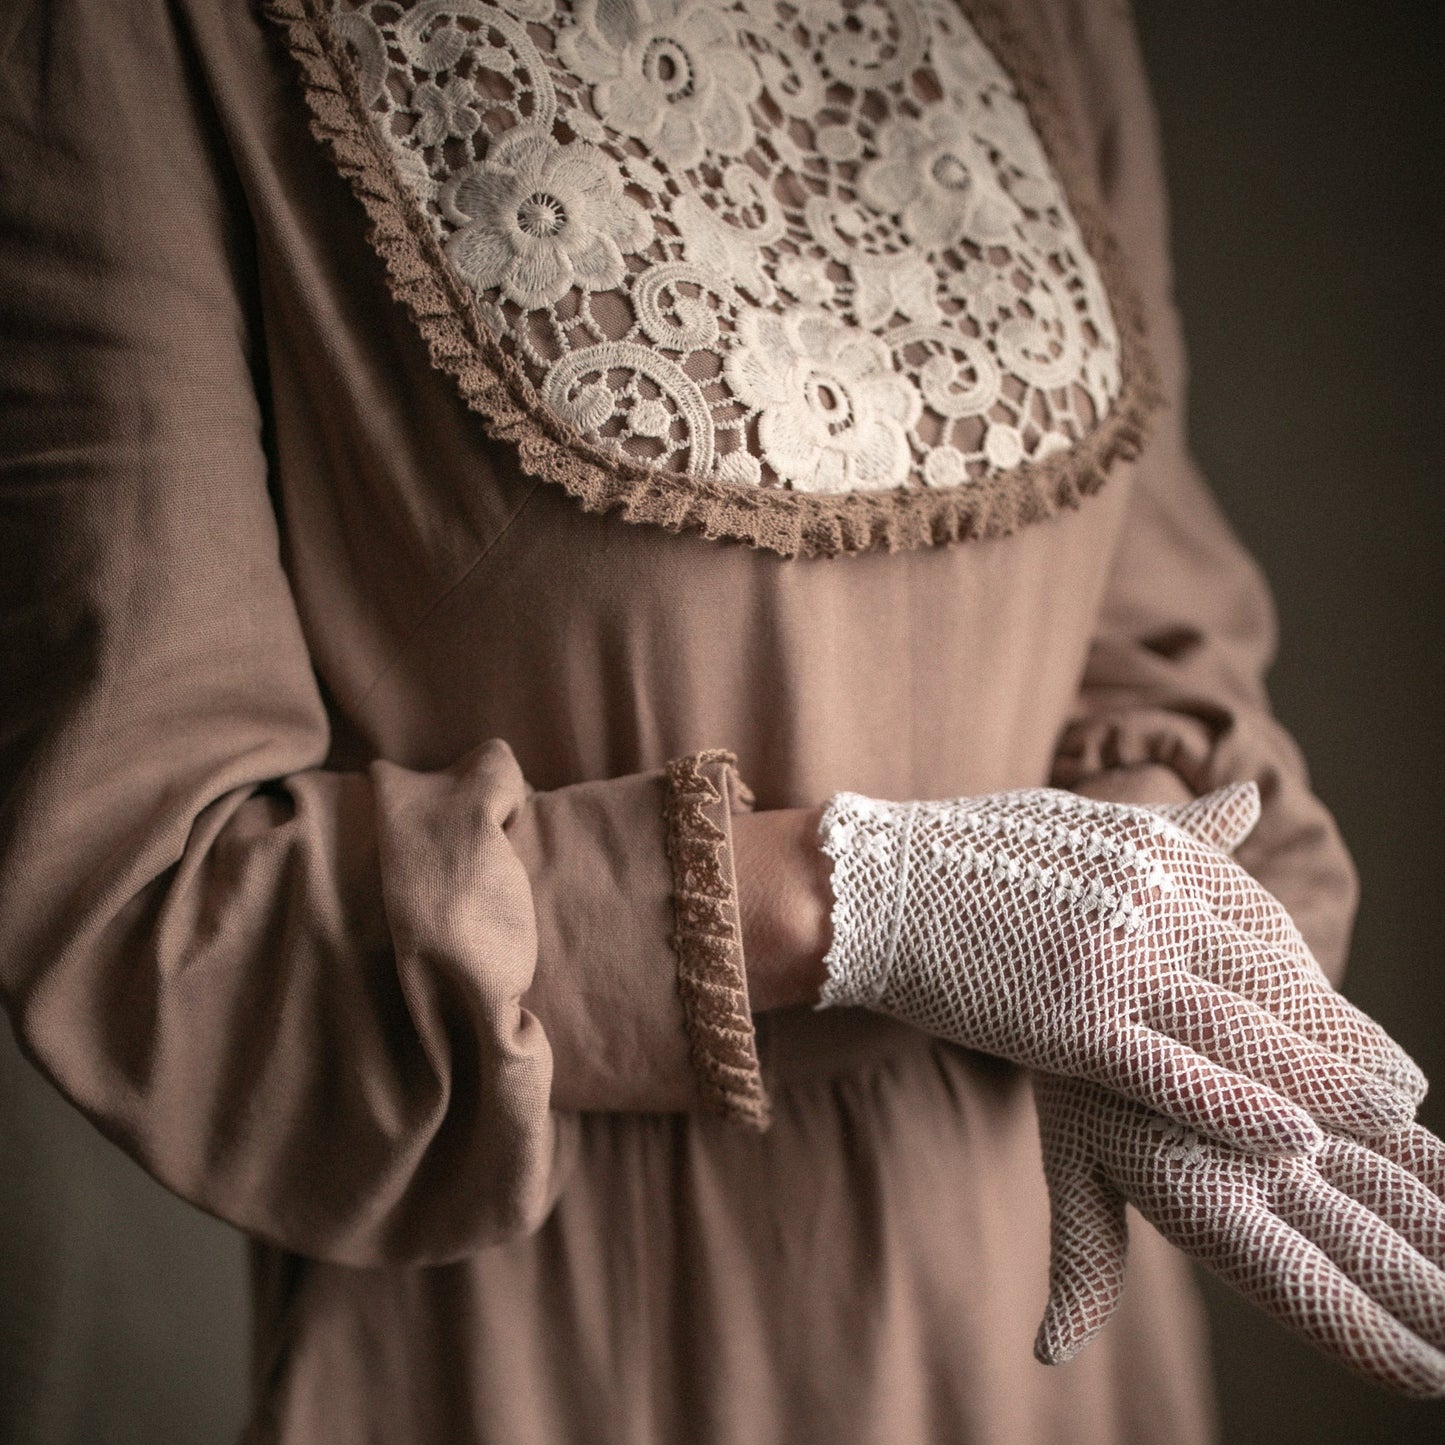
point(811, 274)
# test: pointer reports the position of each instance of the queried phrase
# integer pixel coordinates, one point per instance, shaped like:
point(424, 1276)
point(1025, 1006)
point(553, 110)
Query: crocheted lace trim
point(817, 278)
point(710, 972)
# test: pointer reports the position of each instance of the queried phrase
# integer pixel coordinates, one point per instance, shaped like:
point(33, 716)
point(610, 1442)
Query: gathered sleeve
point(1173, 687)
point(350, 1012)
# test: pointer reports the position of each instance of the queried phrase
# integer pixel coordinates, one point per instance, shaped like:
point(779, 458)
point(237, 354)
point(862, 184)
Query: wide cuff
point(703, 792)
point(605, 986)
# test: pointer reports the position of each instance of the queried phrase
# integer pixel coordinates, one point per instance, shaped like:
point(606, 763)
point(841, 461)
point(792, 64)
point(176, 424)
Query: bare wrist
point(784, 903)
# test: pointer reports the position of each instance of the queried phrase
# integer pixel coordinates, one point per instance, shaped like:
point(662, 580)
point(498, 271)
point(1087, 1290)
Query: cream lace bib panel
point(755, 247)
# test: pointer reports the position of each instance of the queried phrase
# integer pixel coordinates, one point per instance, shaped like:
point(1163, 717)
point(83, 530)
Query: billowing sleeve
point(1174, 680)
point(351, 1012)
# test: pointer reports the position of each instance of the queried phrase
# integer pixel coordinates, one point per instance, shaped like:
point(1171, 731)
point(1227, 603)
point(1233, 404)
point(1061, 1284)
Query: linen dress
point(372, 733)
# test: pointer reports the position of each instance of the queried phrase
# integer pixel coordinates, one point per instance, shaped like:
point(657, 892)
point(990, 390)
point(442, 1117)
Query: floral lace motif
point(812, 246)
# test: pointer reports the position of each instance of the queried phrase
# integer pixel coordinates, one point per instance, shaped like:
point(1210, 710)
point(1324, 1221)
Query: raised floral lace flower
point(700, 163)
point(537, 218)
point(905, 285)
point(1005, 126)
point(1003, 446)
point(670, 72)
point(833, 414)
point(963, 64)
point(937, 180)
point(720, 247)
point(1033, 193)
point(367, 45)
point(649, 418)
point(739, 469)
point(870, 44)
point(806, 279)
point(444, 111)
point(1045, 238)
point(988, 291)
point(788, 71)
point(838, 142)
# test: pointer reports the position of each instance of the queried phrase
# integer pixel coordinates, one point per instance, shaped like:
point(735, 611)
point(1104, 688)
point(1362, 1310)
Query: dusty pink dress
point(366, 841)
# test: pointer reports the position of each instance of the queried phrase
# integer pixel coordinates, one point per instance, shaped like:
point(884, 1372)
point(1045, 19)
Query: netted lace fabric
point(1109, 942)
point(1288, 981)
point(770, 244)
point(1344, 1246)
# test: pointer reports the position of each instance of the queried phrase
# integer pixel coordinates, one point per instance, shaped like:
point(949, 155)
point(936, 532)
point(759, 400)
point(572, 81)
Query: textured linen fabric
point(335, 884)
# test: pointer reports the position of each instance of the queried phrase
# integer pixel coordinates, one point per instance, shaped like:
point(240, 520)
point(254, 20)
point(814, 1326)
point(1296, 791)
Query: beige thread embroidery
point(781, 473)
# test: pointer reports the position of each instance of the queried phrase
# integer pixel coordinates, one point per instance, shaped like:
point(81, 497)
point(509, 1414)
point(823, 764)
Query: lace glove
point(1344, 1246)
point(1109, 942)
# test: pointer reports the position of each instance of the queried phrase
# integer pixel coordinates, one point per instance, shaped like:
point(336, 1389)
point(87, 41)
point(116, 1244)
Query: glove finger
point(1263, 956)
point(1387, 1190)
point(1223, 818)
point(1296, 1282)
point(1297, 993)
point(1415, 1148)
point(1388, 1268)
point(1089, 1240)
point(1234, 893)
point(1172, 1079)
point(1241, 1036)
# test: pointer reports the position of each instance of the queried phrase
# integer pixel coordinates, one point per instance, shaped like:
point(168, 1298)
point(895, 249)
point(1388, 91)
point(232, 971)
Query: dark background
point(1304, 149)
point(1304, 146)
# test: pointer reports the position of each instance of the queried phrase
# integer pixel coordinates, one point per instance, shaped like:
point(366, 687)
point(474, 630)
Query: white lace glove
point(1344, 1246)
point(1109, 942)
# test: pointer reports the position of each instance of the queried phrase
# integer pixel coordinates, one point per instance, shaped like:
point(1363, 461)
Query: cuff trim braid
point(708, 940)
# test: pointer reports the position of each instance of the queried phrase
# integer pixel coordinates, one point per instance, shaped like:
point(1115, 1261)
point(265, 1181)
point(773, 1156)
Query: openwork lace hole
point(878, 200)
point(666, 63)
point(950, 172)
point(828, 396)
point(541, 216)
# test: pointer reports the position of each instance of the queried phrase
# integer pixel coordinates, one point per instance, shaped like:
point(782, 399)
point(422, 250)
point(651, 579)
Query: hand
point(1292, 986)
point(1344, 1246)
point(1108, 942)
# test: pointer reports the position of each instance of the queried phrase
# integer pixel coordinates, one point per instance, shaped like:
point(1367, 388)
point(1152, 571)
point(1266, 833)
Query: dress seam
point(435, 605)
